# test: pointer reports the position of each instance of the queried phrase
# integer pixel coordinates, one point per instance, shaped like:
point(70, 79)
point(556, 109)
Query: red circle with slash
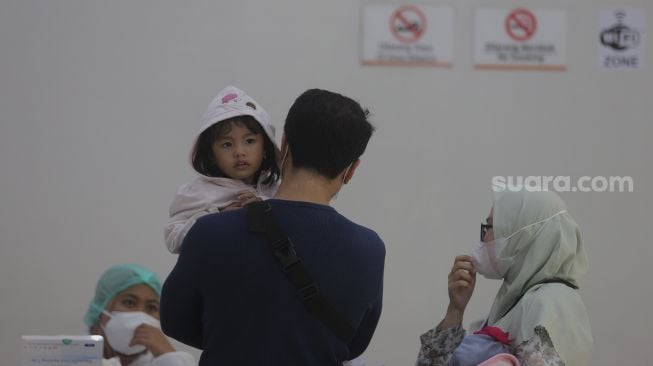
point(408, 23)
point(521, 24)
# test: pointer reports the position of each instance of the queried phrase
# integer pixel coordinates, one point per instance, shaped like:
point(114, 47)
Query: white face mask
point(119, 330)
point(487, 261)
point(486, 255)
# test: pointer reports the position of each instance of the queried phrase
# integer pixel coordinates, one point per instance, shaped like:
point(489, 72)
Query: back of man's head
point(326, 132)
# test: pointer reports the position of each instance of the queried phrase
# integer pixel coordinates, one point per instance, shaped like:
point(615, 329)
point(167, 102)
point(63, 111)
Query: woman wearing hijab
point(531, 243)
point(125, 311)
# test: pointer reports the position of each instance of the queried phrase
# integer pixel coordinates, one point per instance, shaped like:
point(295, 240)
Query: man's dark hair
point(326, 132)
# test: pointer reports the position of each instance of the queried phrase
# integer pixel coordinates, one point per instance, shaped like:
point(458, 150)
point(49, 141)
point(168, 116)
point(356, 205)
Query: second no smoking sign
point(520, 39)
point(521, 24)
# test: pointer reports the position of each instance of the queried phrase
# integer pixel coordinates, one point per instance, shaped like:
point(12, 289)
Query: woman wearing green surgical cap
point(533, 245)
point(125, 310)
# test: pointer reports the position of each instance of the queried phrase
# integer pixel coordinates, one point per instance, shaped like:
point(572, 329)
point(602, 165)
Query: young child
point(236, 159)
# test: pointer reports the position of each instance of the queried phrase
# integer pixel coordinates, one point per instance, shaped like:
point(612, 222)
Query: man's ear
point(350, 172)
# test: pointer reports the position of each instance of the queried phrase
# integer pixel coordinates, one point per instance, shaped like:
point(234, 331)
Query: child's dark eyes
point(225, 145)
point(251, 141)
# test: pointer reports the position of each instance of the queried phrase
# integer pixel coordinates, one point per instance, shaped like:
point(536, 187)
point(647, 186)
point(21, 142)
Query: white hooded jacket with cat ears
point(204, 195)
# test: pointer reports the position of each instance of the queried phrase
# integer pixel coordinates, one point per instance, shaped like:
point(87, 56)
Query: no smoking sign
point(520, 39)
point(521, 24)
point(408, 24)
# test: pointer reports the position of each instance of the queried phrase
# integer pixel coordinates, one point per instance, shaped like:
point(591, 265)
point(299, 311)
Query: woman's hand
point(152, 338)
point(462, 280)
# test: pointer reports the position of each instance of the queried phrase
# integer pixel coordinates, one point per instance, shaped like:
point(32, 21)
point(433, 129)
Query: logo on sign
point(521, 24)
point(408, 23)
point(620, 37)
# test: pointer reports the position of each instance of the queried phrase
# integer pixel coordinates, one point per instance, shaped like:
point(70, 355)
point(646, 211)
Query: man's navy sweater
point(228, 296)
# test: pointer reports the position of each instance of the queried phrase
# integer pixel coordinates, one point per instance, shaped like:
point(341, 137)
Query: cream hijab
point(544, 244)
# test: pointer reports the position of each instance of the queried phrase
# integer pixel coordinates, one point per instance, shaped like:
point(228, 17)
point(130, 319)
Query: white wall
point(99, 100)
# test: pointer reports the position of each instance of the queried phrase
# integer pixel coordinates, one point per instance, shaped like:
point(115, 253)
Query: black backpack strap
point(548, 280)
point(260, 220)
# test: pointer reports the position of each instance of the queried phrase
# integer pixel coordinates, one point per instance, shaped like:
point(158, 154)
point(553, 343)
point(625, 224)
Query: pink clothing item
point(502, 359)
point(229, 97)
point(497, 333)
point(203, 196)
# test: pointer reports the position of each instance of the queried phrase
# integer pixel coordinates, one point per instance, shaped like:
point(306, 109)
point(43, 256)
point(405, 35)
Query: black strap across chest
point(548, 280)
point(260, 220)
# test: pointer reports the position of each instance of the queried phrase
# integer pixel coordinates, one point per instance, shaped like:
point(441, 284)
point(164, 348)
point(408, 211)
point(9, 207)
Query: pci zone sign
point(407, 35)
point(621, 39)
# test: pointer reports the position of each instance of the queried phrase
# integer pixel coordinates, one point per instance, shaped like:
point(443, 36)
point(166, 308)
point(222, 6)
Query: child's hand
point(233, 206)
point(246, 197)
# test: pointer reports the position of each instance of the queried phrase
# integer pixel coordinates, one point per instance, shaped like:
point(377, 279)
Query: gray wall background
point(99, 101)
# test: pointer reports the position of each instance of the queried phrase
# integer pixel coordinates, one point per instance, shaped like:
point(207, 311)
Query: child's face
point(239, 153)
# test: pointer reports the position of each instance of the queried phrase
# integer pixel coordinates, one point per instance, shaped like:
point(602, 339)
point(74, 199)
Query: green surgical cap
point(115, 280)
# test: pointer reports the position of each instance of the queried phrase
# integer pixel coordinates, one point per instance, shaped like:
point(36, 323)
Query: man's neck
point(306, 186)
